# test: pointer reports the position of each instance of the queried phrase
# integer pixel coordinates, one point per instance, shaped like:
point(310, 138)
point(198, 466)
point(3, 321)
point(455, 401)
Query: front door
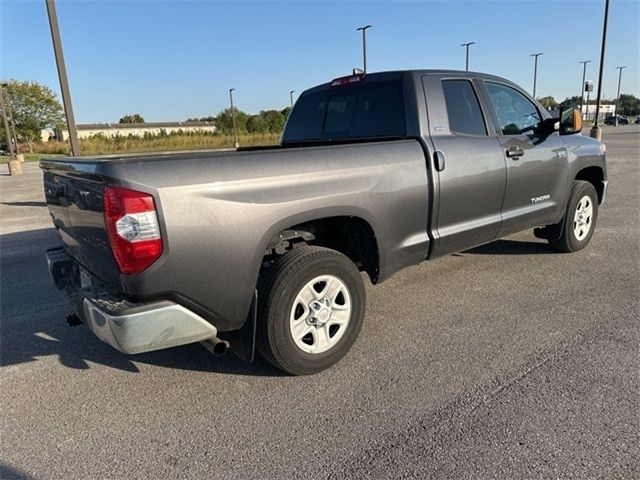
point(469, 165)
point(537, 165)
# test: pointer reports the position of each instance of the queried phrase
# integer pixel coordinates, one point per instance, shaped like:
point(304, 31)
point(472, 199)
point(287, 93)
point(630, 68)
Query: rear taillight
point(132, 227)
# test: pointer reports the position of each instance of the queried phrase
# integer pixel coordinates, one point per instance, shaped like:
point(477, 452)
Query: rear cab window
point(360, 111)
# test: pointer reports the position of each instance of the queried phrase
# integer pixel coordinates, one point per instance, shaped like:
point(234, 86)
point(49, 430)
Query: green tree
point(257, 124)
point(134, 118)
point(274, 120)
point(629, 104)
point(548, 102)
point(224, 121)
point(202, 119)
point(34, 107)
point(572, 102)
point(285, 112)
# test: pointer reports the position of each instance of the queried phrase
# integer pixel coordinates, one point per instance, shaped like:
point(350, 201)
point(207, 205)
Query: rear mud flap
point(243, 341)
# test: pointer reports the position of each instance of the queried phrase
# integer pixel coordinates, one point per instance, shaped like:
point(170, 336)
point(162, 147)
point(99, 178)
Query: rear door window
point(463, 108)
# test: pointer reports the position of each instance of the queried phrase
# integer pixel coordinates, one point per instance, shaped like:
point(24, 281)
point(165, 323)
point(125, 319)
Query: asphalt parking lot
point(507, 361)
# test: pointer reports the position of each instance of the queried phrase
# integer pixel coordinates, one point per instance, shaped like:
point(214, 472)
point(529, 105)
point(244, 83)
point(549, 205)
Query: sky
point(174, 60)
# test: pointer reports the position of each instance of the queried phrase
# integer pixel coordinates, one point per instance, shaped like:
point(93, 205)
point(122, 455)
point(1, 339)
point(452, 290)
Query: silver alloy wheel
point(583, 218)
point(320, 314)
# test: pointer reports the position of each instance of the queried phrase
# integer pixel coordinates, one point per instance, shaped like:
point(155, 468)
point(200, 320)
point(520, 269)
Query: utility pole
point(535, 72)
point(582, 86)
point(618, 95)
point(233, 119)
point(291, 97)
point(364, 46)
point(467, 45)
point(12, 122)
point(62, 76)
point(15, 168)
point(596, 131)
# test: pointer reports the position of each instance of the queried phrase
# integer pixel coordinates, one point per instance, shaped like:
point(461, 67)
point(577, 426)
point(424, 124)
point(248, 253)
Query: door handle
point(438, 158)
point(514, 152)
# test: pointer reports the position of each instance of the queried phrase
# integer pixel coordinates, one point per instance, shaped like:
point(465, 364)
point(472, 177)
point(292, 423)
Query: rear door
point(469, 165)
point(537, 165)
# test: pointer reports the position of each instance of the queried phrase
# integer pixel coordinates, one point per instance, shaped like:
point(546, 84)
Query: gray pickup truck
point(263, 248)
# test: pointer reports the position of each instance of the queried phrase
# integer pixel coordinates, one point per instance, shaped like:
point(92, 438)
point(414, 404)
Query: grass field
point(163, 143)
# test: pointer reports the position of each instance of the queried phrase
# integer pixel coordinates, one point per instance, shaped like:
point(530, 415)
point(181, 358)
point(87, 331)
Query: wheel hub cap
point(582, 218)
point(320, 314)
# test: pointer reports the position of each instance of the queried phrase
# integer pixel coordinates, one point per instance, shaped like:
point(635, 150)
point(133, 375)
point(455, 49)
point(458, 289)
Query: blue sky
point(177, 59)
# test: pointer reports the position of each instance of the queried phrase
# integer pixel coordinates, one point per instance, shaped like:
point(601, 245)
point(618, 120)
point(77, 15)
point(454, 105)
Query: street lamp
point(596, 131)
point(467, 45)
point(535, 72)
point(364, 45)
point(233, 119)
point(62, 76)
point(291, 97)
point(618, 96)
point(582, 86)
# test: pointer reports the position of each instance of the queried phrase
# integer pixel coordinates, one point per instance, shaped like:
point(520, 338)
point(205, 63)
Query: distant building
point(130, 129)
point(589, 111)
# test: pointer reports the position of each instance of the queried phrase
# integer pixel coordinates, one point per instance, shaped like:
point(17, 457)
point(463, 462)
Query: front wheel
point(579, 221)
point(311, 307)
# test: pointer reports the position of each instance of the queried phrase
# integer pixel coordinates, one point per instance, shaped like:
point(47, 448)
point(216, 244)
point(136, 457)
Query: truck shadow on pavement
point(33, 325)
point(511, 247)
point(9, 473)
point(32, 316)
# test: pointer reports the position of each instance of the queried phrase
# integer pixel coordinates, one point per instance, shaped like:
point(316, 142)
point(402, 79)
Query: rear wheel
point(311, 307)
point(579, 221)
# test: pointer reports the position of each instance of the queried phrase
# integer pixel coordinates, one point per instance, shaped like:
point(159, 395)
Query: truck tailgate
point(74, 199)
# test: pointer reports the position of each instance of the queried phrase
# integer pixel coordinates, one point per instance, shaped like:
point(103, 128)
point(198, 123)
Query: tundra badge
point(541, 198)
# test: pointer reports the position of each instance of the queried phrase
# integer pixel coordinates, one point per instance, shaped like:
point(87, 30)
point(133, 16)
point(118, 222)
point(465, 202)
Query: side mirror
point(570, 121)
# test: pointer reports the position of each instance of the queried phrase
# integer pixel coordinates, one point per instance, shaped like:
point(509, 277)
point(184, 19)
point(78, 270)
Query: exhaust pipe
point(216, 346)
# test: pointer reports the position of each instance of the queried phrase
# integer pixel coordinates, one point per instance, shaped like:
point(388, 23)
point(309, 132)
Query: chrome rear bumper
point(157, 326)
point(127, 326)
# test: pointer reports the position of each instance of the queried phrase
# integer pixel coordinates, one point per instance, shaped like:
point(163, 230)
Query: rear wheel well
point(351, 236)
point(595, 176)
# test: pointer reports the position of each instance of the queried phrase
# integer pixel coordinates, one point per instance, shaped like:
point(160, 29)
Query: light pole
point(535, 72)
point(364, 45)
point(62, 76)
point(233, 119)
point(467, 45)
point(291, 97)
point(618, 95)
point(584, 78)
point(596, 131)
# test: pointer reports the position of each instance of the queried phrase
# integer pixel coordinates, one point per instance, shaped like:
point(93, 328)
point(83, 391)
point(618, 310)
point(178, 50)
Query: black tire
point(568, 241)
point(277, 291)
